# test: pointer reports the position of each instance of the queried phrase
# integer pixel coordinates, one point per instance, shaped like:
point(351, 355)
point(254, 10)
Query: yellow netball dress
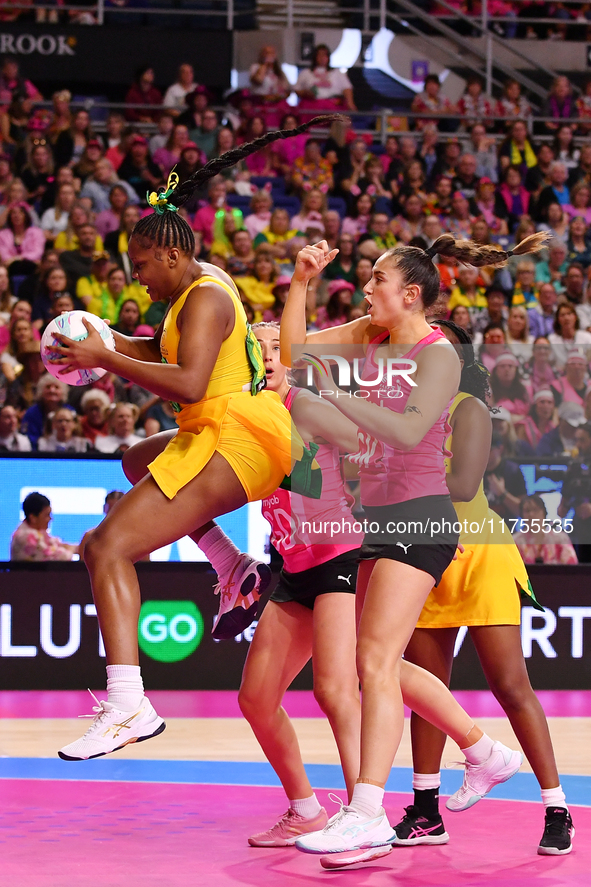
point(483, 586)
point(254, 434)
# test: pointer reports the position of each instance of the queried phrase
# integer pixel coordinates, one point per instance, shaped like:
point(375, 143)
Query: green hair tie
point(159, 201)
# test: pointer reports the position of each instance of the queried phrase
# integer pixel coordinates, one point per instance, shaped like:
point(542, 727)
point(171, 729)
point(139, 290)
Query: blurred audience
point(31, 540)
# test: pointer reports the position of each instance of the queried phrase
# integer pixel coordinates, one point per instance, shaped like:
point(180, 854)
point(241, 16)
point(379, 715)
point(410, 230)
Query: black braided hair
point(169, 228)
point(474, 378)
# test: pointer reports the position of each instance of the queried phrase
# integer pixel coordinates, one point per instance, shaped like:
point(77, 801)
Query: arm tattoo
point(411, 409)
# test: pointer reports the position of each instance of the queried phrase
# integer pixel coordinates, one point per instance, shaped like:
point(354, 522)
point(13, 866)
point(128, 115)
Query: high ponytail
point(470, 253)
point(166, 228)
point(416, 264)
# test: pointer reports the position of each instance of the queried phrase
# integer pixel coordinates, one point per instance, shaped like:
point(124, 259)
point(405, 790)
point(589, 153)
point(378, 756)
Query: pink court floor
point(141, 823)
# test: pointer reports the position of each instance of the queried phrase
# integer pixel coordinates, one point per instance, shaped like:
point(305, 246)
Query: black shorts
point(421, 532)
point(336, 575)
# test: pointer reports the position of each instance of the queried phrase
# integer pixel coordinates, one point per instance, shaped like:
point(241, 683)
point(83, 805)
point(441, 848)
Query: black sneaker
point(418, 829)
point(558, 833)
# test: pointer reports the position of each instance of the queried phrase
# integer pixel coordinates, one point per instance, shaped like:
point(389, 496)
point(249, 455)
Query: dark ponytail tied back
point(167, 228)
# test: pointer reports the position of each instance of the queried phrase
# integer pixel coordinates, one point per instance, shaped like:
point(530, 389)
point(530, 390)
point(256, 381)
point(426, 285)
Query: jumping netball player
point(311, 612)
point(481, 589)
point(402, 481)
point(231, 447)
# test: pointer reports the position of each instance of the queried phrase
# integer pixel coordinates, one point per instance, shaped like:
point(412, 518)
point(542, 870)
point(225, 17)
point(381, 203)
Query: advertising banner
point(49, 636)
point(66, 54)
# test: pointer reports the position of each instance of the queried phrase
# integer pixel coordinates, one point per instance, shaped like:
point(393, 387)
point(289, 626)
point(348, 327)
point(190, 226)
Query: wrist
point(301, 281)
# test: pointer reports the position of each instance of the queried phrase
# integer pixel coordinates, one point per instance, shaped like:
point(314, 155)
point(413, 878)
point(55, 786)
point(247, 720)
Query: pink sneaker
point(290, 827)
point(354, 857)
point(239, 593)
point(501, 765)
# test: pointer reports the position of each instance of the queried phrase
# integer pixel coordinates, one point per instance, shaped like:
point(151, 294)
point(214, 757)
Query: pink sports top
point(309, 532)
point(393, 475)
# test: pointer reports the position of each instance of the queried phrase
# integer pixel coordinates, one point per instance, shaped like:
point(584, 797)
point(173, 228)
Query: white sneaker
point(354, 857)
point(239, 596)
point(111, 729)
point(348, 830)
point(501, 765)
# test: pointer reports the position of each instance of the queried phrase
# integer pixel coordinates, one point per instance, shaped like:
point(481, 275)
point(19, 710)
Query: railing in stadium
point(370, 10)
point(380, 131)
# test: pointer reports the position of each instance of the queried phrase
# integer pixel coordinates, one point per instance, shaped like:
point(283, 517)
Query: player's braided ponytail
point(165, 227)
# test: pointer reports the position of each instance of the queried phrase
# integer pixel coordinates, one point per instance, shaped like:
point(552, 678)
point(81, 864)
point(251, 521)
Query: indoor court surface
point(177, 810)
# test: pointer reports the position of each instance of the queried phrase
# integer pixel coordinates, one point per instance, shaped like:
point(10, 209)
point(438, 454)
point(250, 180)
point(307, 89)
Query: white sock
point(306, 807)
point(367, 799)
point(125, 686)
point(480, 751)
point(554, 797)
point(422, 781)
point(219, 550)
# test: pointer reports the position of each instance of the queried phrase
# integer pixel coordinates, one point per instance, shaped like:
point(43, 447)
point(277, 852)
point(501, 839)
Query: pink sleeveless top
point(301, 527)
point(393, 475)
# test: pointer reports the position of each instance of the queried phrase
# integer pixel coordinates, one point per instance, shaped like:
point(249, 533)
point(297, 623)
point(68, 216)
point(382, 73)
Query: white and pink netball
point(70, 325)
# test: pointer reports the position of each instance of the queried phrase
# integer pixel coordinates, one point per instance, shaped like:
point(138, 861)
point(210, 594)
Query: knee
point(99, 545)
point(253, 705)
point(513, 694)
point(246, 703)
point(333, 698)
point(91, 548)
point(375, 666)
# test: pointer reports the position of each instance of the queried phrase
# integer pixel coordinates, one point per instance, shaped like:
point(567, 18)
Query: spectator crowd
point(70, 196)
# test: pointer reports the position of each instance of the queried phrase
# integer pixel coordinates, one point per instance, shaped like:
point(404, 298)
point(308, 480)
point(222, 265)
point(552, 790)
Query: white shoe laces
point(336, 821)
point(99, 711)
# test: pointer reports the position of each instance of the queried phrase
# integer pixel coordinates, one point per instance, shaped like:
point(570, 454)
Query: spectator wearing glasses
point(64, 436)
point(95, 405)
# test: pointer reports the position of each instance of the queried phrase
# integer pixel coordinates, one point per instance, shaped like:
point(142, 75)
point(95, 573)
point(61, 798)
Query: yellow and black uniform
point(483, 586)
point(253, 434)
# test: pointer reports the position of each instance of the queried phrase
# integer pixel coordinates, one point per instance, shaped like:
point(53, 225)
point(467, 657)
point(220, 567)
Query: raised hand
point(312, 260)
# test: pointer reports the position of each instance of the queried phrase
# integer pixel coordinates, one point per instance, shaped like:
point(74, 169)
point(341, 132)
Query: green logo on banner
point(169, 630)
